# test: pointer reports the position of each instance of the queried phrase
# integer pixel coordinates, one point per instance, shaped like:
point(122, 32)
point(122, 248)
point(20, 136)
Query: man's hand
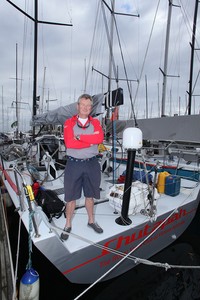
point(77, 137)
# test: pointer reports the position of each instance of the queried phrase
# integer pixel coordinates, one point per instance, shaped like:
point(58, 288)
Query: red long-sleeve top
point(89, 137)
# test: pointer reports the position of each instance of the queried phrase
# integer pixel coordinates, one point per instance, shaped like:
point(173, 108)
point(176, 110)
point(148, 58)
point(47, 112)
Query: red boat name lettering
point(121, 241)
point(145, 231)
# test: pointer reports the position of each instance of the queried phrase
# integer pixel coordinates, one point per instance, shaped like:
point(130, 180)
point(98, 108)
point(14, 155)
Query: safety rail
point(29, 196)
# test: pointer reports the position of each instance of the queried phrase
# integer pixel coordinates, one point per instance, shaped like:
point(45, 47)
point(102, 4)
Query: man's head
point(84, 105)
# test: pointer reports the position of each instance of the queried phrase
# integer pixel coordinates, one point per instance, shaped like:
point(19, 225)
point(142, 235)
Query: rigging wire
point(100, 48)
point(69, 12)
point(188, 25)
point(166, 266)
point(114, 251)
point(175, 64)
point(125, 71)
point(109, 42)
point(23, 49)
point(195, 83)
point(185, 15)
point(141, 73)
point(92, 46)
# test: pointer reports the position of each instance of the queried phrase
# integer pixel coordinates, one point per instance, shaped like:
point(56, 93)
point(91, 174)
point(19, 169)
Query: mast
point(111, 54)
point(16, 78)
point(43, 89)
point(192, 57)
point(36, 22)
point(164, 72)
point(146, 90)
point(166, 59)
point(2, 110)
point(158, 99)
point(35, 62)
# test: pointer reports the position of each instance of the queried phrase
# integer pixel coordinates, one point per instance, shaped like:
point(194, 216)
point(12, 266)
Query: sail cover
point(177, 128)
point(61, 114)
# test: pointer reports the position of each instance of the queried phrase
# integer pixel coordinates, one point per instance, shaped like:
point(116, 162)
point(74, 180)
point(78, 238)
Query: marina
point(132, 232)
point(148, 210)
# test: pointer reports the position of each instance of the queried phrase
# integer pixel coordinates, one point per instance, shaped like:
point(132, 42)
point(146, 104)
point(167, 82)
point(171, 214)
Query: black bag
point(50, 203)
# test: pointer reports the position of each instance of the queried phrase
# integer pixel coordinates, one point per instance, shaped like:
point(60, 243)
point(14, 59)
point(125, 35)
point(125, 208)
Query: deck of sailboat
point(85, 250)
point(82, 236)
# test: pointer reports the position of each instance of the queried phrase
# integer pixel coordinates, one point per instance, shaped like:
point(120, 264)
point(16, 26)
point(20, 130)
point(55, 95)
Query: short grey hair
point(85, 96)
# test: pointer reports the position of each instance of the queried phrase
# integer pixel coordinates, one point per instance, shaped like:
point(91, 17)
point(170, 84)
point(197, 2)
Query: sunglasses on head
point(87, 124)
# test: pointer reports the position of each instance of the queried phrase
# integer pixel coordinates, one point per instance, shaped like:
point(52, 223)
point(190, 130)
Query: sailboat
point(138, 219)
point(154, 223)
point(170, 141)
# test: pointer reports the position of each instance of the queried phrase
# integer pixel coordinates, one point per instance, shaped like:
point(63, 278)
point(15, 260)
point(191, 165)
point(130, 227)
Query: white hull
point(86, 256)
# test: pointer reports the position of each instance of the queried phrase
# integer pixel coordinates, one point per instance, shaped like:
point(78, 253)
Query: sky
point(68, 54)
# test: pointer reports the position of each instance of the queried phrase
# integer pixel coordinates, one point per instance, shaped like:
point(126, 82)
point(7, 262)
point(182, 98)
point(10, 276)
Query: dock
point(6, 267)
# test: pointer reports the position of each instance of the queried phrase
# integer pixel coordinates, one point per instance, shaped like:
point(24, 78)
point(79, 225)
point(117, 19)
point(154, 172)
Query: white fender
point(29, 285)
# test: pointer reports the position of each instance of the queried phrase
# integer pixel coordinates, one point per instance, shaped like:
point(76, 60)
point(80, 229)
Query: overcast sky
point(66, 55)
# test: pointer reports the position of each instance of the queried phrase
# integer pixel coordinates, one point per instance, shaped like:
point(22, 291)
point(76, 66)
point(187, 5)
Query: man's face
point(84, 108)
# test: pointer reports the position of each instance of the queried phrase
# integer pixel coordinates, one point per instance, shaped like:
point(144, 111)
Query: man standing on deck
point(82, 134)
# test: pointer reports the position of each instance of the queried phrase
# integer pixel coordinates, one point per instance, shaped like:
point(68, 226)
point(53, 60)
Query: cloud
point(64, 52)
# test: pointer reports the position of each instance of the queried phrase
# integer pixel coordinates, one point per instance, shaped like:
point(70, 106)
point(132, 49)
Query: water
point(141, 283)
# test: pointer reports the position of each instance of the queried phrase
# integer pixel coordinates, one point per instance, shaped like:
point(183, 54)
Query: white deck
point(82, 236)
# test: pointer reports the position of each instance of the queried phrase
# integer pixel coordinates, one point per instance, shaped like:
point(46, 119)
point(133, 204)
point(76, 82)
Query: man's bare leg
point(70, 207)
point(89, 204)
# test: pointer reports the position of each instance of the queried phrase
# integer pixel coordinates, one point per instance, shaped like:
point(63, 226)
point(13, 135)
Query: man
point(82, 134)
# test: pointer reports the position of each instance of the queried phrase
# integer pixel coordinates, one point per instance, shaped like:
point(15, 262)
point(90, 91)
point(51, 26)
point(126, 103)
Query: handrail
point(30, 197)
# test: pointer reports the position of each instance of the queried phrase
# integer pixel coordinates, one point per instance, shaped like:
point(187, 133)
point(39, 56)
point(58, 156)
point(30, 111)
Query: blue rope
point(29, 264)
